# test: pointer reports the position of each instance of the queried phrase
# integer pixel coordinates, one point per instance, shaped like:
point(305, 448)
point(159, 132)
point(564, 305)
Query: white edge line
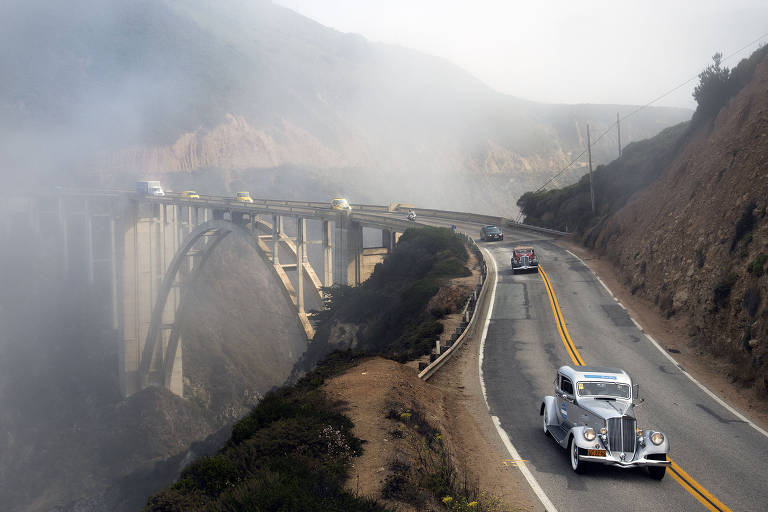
point(513, 453)
point(677, 364)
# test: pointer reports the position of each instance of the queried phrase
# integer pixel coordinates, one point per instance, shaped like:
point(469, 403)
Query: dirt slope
point(691, 243)
point(377, 386)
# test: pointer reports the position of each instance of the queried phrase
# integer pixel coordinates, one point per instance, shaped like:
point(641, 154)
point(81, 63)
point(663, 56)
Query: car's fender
point(550, 406)
point(578, 435)
point(650, 448)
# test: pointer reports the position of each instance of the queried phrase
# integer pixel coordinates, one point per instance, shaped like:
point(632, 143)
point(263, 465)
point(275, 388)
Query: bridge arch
point(216, 230)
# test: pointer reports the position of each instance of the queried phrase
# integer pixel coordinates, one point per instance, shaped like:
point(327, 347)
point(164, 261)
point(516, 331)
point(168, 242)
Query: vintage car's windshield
point(492, 229)
point(603, 389)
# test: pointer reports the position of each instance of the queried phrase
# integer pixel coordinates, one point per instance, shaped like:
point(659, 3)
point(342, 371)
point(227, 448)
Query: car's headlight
point(603, 431)
point(657, 438)
point(589, 434)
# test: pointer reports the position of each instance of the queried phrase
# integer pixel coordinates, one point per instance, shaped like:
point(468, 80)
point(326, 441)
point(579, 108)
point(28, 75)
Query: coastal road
point(720, 460)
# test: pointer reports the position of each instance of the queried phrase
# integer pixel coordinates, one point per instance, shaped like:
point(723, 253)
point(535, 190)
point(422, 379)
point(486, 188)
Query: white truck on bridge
point(152, 188)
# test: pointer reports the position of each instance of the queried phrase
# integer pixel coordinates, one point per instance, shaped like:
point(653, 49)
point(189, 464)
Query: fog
point(218, 97)
point(605, 51)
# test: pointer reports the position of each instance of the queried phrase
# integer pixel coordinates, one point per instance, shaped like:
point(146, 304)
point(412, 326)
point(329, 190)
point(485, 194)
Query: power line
point(638, 109)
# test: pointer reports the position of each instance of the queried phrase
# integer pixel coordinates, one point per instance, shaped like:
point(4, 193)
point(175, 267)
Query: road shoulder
point(671, 334)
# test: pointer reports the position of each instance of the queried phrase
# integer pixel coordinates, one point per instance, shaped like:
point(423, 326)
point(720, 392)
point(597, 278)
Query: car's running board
point(559, 433)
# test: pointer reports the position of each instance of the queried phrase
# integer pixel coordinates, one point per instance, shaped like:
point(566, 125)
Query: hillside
point(689, 232)
point(297, 449)
point(239, 92)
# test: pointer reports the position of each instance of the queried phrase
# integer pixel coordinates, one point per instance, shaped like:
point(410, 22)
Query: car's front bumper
point(613, 460)
point(526, 267)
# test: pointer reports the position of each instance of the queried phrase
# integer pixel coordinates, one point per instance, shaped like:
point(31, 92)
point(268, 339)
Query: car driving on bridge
point(190, 194)
point(243, 197)
point(592, 415)
point(523, 259)
point(339, 203)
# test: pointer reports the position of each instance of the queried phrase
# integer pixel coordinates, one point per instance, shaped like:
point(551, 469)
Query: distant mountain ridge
point(113, 89)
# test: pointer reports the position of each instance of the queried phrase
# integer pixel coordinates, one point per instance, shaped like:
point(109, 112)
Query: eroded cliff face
point(695, 241)
point(233, 144)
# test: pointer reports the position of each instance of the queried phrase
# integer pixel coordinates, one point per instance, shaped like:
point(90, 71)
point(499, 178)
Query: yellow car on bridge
point(243, 197)
point(190, 194)
point(339, 203)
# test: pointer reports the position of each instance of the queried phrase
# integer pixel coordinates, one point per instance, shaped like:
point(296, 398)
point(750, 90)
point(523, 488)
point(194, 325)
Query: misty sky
point(568, 51)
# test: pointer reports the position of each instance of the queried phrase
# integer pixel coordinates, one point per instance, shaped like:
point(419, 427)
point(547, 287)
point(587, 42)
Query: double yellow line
point(560, 322)
point(681, 477)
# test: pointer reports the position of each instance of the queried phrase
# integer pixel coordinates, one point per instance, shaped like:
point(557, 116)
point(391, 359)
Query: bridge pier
point(301, 258)
point(327, 254)
point(349, 249)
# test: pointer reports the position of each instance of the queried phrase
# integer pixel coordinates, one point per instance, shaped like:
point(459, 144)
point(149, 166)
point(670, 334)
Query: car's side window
point(566, 385)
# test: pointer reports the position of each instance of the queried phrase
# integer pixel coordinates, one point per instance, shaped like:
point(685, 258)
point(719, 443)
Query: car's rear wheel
point(576, 464)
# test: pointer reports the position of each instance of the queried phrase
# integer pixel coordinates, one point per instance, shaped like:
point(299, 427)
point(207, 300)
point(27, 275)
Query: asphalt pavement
point(721, 460)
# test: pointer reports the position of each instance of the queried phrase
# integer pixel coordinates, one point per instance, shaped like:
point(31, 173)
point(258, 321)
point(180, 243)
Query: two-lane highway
point(721, 460)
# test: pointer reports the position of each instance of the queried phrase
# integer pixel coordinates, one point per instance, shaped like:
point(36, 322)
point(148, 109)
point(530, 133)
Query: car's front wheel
point(544, 422)
point(657, 472)
point(576, 464)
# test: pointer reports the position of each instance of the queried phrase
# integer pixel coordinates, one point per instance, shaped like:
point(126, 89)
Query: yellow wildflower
point(447, 499)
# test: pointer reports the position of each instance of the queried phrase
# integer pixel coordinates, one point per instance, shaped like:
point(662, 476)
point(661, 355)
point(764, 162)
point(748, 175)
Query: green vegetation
point(755, 267)
point(293, 451)
point(432, 474)
point(744, 225)
point(391, 306)
point(569, 208)
point(717, 84)
point(722, 290)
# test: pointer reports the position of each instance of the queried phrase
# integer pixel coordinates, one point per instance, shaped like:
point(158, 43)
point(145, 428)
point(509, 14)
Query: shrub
point(722, 291)
point(755, 267)
point(712, 91)
point(745, 224)
point(751, 300)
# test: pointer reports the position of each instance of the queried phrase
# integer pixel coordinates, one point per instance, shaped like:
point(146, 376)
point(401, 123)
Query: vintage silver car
point(592, 415)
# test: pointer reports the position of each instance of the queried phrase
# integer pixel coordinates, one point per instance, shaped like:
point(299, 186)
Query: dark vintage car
point(524, 259)
point(491, 233)
point(592, 415)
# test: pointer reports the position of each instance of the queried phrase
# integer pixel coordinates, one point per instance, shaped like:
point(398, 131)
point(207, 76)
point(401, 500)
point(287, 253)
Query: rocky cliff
point(695, 241)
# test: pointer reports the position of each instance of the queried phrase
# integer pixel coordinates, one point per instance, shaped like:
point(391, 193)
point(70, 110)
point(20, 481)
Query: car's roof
point(339, 199)
point(581, 373)
point(491, 226)
point(523, 248)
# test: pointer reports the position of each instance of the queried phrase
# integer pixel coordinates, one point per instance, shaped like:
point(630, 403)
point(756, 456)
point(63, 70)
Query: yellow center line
point(570, 347)
point(678, 474)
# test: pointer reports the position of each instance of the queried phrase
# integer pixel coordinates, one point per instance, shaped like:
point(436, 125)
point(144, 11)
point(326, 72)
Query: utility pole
point(618, 127)
point(591, 185)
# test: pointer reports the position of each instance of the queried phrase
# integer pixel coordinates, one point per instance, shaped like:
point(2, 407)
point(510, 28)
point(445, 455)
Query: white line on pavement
point(691, 377)
point(548, 506)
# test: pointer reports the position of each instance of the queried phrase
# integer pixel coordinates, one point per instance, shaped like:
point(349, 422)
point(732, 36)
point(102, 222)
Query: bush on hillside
point(712, 90)
point(391, 306)
point(718, 84)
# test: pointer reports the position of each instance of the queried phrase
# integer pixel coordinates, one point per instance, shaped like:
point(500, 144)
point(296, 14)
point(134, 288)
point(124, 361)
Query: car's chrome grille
point(524, 261)
point(621, 434)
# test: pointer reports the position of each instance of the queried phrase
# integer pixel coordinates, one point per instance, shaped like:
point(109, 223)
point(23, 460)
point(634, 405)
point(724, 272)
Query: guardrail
point(474, 306)
point(317, 207)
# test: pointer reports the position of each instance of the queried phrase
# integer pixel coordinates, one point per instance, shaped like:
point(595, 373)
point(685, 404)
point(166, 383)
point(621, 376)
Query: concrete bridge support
point(150, 241)
point(349, 250)
point(132, 255)
point(327, 254)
